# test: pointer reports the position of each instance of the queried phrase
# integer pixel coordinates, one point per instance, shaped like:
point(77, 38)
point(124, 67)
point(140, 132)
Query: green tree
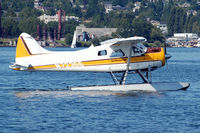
point(189, 22)
point(156, 35)
point(196, 28)
point(68, 39)
point(29, 25)
point(70, 26)
point(92, 3)
point(77, 11)
point(10, 13)
point(119, 2)
point(51, 26)
point(94, 9)
point(142, 28)
point(50, 12)
point(154, 10)
point(192, 24)
point(177, 20)
point(58, 5)
point(171, 21)
point(10, 28)
point(95, 41)
point(80, 2)
point(16, 5)
point(126, 29)
point(29, 12)
point(166, 11)
point(180, 19)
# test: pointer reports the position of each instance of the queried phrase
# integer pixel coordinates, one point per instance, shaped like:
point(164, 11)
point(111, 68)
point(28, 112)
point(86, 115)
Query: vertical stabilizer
point(21, 50)
point(27, 46)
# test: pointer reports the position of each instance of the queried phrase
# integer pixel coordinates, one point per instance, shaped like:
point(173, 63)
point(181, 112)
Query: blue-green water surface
point(40, 102)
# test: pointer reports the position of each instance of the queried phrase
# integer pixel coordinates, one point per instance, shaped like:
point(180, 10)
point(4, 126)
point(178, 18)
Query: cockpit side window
point(117, 53)
point(102, 53)
point(137, 51)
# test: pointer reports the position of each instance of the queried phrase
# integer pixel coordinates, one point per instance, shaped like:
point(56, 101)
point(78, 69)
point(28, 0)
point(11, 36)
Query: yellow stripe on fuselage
point(105, 62)
point(42, 67)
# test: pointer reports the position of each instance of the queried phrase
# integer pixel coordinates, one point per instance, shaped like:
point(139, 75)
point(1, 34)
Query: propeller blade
point(165, 48)
point(167, 56)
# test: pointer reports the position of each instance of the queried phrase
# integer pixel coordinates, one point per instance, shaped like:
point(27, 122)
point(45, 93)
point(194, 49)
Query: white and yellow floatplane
point(120, 55)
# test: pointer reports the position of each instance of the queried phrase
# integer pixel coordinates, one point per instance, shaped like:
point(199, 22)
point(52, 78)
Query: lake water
point(40, 101)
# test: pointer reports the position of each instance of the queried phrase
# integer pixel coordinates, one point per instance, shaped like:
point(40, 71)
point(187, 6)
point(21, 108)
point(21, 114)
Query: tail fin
point(27, 46)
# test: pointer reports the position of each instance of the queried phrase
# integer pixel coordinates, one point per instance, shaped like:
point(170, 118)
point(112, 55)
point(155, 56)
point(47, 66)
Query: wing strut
point(115, 80)
point(127, 68)
point(147, 78)
point(125, 73)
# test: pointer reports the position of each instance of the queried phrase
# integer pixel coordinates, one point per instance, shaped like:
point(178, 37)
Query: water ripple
point(40, 102)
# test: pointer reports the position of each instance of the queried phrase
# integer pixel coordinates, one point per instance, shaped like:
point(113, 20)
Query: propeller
point(167, 56)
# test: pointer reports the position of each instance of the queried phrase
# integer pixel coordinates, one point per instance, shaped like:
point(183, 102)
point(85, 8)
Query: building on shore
point(109, 7)
point(186, 36)
point(82, 32)
point(61, 18)
point(38, 5)
point(137, 7)
point(47, 18)
point(85, 34)
point(160, 25)
point(183, 40)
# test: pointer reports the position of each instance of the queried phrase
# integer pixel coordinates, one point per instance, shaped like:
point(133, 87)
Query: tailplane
point(26, 47)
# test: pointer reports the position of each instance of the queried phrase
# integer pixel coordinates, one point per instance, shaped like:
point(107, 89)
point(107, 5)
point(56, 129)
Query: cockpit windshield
point(136, 50)
point(139, 49)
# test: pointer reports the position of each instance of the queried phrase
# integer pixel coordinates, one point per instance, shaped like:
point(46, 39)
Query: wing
point(124, 41)
point(130, 40)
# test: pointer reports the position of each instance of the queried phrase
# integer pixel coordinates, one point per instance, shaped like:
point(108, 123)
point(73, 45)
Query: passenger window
point(117, 53)
point(102, 53)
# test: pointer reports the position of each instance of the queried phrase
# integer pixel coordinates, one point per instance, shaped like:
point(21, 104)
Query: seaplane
point(119, 57)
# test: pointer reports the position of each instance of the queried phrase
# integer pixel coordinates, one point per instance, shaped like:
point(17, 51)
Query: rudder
point(21, 50)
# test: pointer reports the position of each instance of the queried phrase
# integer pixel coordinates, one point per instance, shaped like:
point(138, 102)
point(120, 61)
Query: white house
point(48, 18)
